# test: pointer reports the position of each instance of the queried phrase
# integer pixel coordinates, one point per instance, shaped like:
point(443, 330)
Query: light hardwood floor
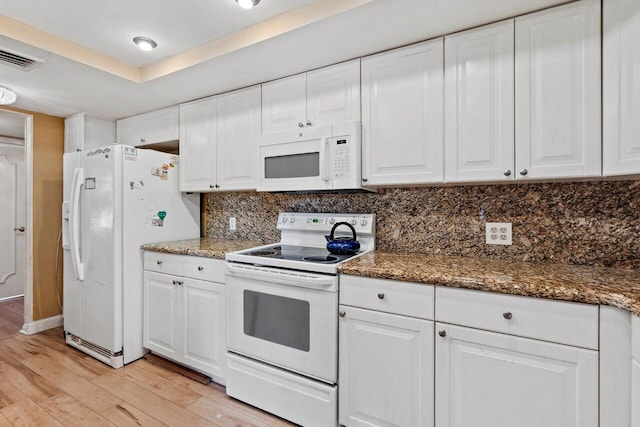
point(44, 382)
point(11, 316)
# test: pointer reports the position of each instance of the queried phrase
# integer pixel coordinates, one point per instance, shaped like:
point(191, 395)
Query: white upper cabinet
point(479, 104)
point(149, 128)
point(82, 132)
point(621, 87)
point(238, 128)
point(218, 142)
point(324, 96)
point(402, 115)
point(198, 145)
point(557, 87)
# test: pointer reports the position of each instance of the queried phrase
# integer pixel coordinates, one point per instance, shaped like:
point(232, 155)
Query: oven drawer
point(556, 321)
point(162, 263)
point(390, 296)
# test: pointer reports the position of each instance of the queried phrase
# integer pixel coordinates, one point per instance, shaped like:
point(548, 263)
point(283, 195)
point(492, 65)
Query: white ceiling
point(62, 86)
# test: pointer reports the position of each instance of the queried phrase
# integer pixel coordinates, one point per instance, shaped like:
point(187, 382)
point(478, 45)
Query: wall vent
point(18, 60)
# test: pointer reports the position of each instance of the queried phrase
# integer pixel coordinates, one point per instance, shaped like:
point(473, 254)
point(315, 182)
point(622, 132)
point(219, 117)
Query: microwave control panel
point(341, 158)
point(345, 156)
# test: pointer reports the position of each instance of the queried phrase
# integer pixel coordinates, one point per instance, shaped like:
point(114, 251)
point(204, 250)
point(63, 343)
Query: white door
point(402, 119)
point(479, 110)
point(198, 145)
point(203, 329)
point(558, 92)
point(12, 228)
point(284, 104)
point(238, 130)
point(333, 94)
point(386, 369)
point(161, 311)
point(621, 87)
point(485, 379)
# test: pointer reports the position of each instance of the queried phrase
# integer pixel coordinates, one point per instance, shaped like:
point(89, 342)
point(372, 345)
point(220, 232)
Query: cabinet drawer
point(556, 321)
point(208, 269)
point(390, 296)
point(162, 263)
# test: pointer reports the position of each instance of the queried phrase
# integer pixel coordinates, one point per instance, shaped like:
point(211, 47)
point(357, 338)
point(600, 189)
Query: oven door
point(295, 161)
point(283, 317)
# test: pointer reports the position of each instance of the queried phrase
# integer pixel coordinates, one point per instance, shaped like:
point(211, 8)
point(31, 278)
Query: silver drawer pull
point(159, 262)
point(175, 282)
point(342, 313)
point(380, 296)
point(200, 268)
point(442, 333)
point(507, 315)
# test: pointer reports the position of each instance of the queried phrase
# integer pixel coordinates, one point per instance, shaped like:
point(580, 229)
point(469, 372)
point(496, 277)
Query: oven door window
point(277, 319)
point(292, 166)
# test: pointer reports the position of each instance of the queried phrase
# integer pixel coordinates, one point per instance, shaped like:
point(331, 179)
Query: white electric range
point(282, 317)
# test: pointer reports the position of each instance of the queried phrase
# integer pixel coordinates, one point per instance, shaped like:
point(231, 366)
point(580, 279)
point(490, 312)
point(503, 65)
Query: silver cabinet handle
point(20, 229)
point(507, 172)
point(180, 282)
point(308, 122)
point(381, 296)
point(507, 315)
point(523, 172)
point(142, 140)
point(217, 186)
point(212, 186)
point(342, 313)
point(175, 282)
point(442, 333)
point(300, 124)
point(200, 268)
point(364, 179)
point(159, 262)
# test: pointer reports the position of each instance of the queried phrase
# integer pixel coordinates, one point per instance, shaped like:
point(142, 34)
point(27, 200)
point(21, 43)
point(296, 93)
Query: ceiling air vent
point(18, 60)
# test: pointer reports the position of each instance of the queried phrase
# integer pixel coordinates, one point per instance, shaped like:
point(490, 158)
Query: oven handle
point(295, 278)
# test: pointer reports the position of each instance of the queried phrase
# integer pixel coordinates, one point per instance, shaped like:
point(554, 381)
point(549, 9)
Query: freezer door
point(153, 210)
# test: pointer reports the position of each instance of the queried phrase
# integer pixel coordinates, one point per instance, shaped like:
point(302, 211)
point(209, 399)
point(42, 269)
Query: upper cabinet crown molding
point(402, 118)
point(558, 102)
point(324, 96)
point(479, 103)
point(149, 128)
point(621, 87)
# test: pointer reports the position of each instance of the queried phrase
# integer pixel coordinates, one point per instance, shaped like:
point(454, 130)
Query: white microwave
point(309, 159)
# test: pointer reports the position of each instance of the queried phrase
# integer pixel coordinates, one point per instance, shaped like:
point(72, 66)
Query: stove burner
point(326, 258)
point(263, 253)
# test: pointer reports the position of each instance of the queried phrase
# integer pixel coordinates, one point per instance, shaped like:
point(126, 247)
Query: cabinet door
point(479, 110)
point(485, 379)
point(98, 132)
point(558, 92)
point(621, 87)
point(333, 94)
point(74, 133)
point(203, 330)
point(149, 128)
point(402, 120)
point(284, 104)
point(386, 369)
point(198, 145)
point(161, 324)
point(238, 127)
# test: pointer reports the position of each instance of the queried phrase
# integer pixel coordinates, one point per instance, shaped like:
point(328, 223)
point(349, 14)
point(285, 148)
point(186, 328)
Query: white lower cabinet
point(184, 317)
point(490, 379)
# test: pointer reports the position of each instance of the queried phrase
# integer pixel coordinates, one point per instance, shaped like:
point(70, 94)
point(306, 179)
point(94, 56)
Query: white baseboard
point(42, 325)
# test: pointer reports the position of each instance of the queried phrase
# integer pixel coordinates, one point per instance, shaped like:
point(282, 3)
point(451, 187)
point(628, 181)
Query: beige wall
point(48, 147)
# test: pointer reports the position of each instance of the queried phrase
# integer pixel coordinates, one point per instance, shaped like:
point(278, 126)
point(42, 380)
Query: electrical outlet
point(232, 223)
point(499, 233)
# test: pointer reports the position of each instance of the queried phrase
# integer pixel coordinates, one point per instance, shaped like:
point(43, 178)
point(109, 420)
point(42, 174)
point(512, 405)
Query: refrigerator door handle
point(74, 223)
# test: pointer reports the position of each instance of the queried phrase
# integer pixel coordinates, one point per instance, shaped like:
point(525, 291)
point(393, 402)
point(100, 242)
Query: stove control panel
point(363, 223)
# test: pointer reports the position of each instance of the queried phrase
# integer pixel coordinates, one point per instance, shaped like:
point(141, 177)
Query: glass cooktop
point(299, 253)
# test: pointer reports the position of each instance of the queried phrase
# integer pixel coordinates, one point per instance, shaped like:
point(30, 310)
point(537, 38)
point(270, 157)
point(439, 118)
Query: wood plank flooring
point(11, 317)
point(44, 382)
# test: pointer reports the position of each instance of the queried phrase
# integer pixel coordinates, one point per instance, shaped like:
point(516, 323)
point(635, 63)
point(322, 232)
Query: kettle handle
point(333, 229)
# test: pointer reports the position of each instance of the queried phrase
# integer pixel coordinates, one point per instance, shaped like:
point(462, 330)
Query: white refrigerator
point(116, 198)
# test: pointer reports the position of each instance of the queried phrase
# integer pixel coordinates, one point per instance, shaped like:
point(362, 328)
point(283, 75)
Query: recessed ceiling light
point(247, 4)
point(145, 43)
point(7, 96)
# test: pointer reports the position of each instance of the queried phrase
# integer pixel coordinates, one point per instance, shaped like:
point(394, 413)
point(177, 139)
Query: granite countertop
point(203, 247)
point(594, 285)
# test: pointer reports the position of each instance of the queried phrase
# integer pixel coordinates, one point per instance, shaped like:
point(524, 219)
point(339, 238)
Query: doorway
point(15, 227)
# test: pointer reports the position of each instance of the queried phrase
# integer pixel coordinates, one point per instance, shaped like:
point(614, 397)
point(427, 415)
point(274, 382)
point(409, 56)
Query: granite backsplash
point(588, 223)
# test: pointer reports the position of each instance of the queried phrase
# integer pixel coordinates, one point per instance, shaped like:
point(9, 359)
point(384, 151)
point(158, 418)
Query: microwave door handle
point(324, 160)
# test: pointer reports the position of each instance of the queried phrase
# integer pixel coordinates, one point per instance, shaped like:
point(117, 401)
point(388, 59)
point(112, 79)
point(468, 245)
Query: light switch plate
point(498, 233)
